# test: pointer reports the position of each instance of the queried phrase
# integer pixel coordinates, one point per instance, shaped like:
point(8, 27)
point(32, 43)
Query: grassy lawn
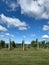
point(28, 57)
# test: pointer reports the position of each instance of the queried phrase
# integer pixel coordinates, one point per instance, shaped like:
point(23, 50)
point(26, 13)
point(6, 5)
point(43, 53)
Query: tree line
point(34, 43)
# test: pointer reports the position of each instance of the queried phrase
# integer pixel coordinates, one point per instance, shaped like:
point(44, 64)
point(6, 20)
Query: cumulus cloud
point(45, 36)
point(37, 8)
point(34, 8)
point(2, 29)
point(13, 22)
point(45, 27)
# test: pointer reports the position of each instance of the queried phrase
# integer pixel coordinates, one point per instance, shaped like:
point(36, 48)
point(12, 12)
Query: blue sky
point(24, 19)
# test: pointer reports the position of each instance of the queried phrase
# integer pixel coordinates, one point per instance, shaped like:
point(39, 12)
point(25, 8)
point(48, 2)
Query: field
point(29, 57)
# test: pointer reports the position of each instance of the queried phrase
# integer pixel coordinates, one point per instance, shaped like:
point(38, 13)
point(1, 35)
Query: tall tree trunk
point(37, 43)
point(9, 48)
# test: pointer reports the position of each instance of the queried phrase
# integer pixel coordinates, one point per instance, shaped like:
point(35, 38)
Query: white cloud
point(13, 22)
point(2, 29)
point(37, 8)
point(45, 36)
point(22, 28)
point(48, 22)
point(24, 36)
point(11, 4)
point(10, 35)
point(34, 8)
point(45, 27)
point(33, 35)
point(7, 34)
point(2, 36)
point(12, 7)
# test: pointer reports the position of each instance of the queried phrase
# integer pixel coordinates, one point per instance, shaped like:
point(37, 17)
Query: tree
point(42, 45)
point(13, 44)
point(33, 43)
point(23, 44)
point(2, 44)
point(47, 44)
point(29, 45)
point(6, 45)
point(37, 43)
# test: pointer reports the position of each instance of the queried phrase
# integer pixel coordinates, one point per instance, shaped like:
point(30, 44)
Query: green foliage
point(6, 45)
point(33, 44)
point(29, 46)
point(37, 43)
point(42, 44)
point(36, 40)
point(47, 45)
point(13, 44)
point(2, 44)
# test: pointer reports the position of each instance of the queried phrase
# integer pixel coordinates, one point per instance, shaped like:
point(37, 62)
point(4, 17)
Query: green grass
point(19, 57)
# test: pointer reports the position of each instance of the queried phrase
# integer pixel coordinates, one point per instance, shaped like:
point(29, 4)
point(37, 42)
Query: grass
point(19, 57)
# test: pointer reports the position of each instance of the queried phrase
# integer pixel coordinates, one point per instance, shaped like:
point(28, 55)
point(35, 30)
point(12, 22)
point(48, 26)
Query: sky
point(24, 19)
